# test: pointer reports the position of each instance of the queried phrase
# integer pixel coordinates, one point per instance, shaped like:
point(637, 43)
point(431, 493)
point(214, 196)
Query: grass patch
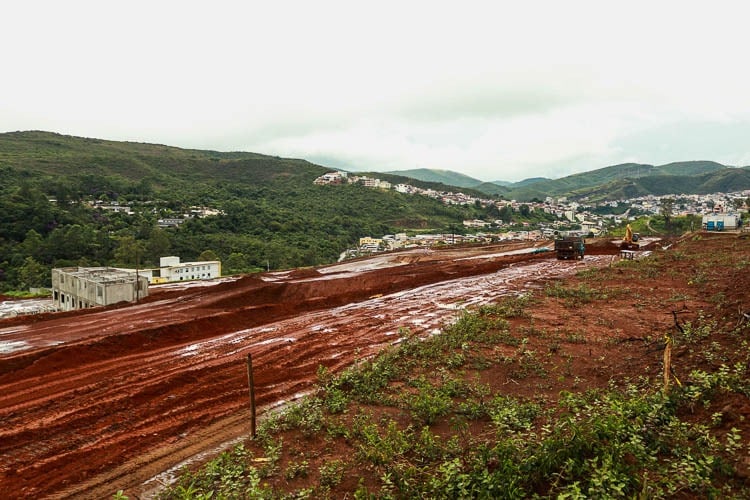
point(575, 296)
point(20, 294)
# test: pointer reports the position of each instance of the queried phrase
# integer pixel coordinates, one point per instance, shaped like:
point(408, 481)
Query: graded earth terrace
point(104, 399)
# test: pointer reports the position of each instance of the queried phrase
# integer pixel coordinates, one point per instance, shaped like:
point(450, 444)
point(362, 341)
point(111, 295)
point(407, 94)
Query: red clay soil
point(607, 333)
point(98, 400)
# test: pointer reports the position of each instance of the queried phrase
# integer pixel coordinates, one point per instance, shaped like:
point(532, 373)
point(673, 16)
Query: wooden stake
point(251, 385)
point(667, 362)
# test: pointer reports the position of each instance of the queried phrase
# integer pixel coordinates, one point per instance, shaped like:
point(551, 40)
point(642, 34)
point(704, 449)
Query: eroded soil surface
point(105, 399)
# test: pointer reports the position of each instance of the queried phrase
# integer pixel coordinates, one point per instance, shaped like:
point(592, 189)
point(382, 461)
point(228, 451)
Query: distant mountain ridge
point(447, 177)
point(457, 179)
point(49, 153)
point(638, 179)
point(613, 182)
point(725, 180)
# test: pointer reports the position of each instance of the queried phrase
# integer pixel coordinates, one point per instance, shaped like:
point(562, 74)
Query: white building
point(123, 209)
point(721, 222)
point(330, 178)
point(369, 182)
point(171, 269)
point(475, 223)
point(170, 222)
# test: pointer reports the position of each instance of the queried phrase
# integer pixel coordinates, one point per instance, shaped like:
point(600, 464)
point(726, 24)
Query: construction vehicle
point(570, 247)
point(629, 242)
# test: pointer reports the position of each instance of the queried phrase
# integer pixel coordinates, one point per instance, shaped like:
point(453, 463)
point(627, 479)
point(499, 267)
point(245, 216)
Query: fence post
point(667, 362)
point(251, 385)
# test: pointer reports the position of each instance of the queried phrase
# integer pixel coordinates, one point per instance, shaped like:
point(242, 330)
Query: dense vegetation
point(273, 214)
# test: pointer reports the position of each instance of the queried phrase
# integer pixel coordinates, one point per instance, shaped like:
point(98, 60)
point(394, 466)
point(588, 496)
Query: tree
point(492, 210)
point(236, 263)
point(33, 244)
point(129, 251)
point(667, 206)
point(208, 255)
point(524, 210)
point(33, 274)
point(158, 244)
point(505, 214)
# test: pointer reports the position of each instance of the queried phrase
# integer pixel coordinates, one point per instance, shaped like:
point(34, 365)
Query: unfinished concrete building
point(81, 287)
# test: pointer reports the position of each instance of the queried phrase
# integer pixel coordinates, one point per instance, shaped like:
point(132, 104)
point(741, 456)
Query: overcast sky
point(496, 90)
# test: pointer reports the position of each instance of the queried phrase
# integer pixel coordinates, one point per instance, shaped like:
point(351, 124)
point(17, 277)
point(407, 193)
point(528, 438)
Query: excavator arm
point(627, 241)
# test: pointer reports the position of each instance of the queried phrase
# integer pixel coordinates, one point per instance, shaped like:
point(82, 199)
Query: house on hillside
point(330, 178)
point(115, 207)
point(170, 222)
point(475, 223)
point(369, 244)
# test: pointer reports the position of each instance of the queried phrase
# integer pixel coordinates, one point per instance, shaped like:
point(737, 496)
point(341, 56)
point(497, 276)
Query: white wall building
point(721, 222)
point(171, 269)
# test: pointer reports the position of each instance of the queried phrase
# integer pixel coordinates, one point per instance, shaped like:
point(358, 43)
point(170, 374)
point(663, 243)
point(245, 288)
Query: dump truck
point(570, 247)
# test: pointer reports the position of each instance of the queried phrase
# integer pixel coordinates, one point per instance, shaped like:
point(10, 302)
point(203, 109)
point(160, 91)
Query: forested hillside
point(273, 215)
point(636, 179)
point(608, 183)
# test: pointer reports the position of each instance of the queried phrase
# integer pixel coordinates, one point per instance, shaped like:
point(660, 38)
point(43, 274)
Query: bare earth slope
point(99, 398)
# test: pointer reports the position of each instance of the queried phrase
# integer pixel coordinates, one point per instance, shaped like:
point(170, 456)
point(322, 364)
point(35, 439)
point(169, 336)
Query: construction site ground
point(99, 400)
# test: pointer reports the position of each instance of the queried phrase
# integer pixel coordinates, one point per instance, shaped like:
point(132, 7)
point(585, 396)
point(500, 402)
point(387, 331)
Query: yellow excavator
point(629, 242)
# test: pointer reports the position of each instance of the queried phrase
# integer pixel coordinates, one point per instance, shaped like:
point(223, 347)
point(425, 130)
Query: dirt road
point(99, 400)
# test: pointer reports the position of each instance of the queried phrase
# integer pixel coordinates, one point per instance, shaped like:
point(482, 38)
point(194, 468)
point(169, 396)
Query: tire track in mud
point(133, 402)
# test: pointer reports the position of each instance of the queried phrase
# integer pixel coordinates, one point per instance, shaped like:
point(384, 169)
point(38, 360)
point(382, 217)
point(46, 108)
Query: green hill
point(728, 179)
point(690, 168)
point(273, 214)
point(724, 180)
point(446, 177)
point(528, 182)
point(636, 179)
point(45, 153)
point(502, 183)
point(450, 178)
point(436, 186)
point(492, 188)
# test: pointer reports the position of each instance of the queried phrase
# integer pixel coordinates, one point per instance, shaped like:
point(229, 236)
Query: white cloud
point(498, 90)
